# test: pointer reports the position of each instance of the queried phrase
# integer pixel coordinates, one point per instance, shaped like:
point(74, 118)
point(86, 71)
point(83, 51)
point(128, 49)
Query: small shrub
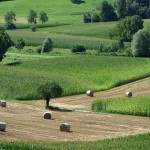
point(33, 28)
point(20, 44)
point(87, 17)
point(47, 45)
point(78, 48)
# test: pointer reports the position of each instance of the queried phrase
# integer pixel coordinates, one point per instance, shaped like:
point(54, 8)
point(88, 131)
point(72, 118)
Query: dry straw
point(2, 126)
point(3, 103)
point(47, 115)
point(128, 94)
point(65, 127)
point(90, 93)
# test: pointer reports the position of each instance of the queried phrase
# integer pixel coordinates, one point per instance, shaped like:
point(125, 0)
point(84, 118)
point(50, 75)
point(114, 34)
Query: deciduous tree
point(5, 42)
point(141, 43)
point(43, 17)
point(32, 17)
point(9, 19)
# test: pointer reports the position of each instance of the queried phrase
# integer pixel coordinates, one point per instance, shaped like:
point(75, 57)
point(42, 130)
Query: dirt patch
point(26, 122)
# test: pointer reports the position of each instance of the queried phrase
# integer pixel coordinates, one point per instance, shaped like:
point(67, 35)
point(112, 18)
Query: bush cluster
point(78, 48)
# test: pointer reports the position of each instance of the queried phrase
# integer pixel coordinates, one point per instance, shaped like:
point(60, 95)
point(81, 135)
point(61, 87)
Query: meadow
point(75, 73)
point(58, 11)
point(132, 142)
point(130, 106)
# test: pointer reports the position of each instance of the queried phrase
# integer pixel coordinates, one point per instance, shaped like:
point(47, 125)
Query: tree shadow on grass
point(13, 64)
point(59, 109)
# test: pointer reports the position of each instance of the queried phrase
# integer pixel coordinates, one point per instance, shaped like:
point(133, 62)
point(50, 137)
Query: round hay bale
point(65, 127)
point(90, 93)
point(128, 94)
point(2, 126)
point(3, 103)
point(47, 115)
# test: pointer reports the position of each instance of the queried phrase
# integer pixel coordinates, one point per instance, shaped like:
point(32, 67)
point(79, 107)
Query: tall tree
point(32, 17)
point(141, 43)
point(107, 11)
point(50, 90)
point(43, 17)
point(127, 27)
point(5, 43)
point(120, 6)
point(9, 19)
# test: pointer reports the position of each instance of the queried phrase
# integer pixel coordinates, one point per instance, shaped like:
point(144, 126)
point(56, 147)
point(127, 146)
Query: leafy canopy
point(5, 42)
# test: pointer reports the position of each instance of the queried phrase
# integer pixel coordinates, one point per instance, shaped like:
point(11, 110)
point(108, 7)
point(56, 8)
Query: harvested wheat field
point(26, 122)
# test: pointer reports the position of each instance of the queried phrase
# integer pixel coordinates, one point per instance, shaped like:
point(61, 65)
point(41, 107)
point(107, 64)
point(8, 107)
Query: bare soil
point(26, 122)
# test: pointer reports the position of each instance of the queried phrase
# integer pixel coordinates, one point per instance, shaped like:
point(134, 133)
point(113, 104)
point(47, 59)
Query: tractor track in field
point(25, 122)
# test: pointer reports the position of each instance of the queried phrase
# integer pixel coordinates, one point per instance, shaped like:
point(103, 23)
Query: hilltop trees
point(107, 12)
point(141, 43)
point(121, 9)
point(32, 17)
point(43, 17)
point(120, 6)
point(5, 42)
point(9, 19)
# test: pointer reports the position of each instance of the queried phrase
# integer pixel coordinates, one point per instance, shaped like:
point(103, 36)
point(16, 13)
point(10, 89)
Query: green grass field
point(57, 10)
point(139, 106)
point(138, 142)
point(76, 74)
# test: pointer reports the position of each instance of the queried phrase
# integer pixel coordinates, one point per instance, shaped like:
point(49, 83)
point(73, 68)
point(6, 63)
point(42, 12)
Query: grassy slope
point(75, 74)
point(138, 142)
point(57, 10)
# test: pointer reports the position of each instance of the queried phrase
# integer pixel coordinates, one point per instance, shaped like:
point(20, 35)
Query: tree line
point(120, 9)
point(32, 17)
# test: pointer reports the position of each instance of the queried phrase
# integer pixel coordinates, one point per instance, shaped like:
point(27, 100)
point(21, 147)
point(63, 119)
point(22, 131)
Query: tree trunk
point(47, 103)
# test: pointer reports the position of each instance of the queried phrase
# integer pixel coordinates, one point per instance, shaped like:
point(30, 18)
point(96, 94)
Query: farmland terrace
point(25, 122)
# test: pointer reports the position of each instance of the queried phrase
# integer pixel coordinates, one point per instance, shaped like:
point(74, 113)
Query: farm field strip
point(139, 88)
point(93, 126)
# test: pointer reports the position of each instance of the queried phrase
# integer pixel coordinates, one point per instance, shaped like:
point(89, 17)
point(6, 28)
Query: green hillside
point(57, 10)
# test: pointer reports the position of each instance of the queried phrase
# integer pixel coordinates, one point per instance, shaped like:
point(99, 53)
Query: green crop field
point(75, 74)
point(132, 106)
point(138, 142)
point(60, 40)
point(65, 36)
